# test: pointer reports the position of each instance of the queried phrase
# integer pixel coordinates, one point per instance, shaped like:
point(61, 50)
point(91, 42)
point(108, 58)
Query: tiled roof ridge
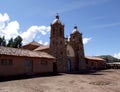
point(22, 52)
point(94, 58)
point(33, 43)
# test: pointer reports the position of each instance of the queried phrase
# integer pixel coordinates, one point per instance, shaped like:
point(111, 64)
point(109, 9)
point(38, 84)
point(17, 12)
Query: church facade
point(69, 53)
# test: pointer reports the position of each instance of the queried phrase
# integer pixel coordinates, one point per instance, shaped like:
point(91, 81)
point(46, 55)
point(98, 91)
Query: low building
point(95, 63)
point(18, 61)
point(113, 65)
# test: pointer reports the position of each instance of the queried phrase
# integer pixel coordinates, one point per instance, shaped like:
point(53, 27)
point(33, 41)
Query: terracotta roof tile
point(26, 53)
point(94, 58)
point(34, 44)
point(42, 48)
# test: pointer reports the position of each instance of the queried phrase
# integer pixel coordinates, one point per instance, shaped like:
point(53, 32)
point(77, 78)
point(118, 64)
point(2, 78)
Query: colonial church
point(62, 55)
point(69, 53)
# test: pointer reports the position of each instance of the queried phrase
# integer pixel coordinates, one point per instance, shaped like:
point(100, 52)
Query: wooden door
point(28, 66)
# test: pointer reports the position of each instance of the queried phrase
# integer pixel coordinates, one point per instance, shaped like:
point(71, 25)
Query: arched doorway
point(54, 67)
point(70, 60)
point(69, 65)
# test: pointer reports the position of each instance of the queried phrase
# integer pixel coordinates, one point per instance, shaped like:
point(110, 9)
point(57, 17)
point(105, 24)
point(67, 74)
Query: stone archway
point(70, 58)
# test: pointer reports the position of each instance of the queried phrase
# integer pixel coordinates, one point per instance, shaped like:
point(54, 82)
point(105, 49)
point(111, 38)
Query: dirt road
point(102, 81)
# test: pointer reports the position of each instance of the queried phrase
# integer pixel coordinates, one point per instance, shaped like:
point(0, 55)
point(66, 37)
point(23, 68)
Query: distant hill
point(109, 58)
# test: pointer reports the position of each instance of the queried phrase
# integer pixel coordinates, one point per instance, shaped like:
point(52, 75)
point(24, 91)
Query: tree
point(17, 42)
point(10, 43)
point(2, 41)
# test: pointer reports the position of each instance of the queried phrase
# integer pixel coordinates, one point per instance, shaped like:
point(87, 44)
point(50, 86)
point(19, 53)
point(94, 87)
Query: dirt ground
point(102, 81)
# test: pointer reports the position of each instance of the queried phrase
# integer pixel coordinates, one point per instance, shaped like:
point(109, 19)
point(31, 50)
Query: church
point(69, 52)
point(61, 55)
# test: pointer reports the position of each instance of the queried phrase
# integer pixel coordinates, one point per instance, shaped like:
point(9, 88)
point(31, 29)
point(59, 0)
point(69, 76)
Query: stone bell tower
point(57, 44)
point(77, 44)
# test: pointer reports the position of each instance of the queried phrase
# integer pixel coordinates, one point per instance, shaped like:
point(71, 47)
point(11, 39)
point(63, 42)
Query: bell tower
point(57, 44)
point(77, 44)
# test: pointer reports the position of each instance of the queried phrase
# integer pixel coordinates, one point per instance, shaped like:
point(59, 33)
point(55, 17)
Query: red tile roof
point(33, 43)
point(25, 53)
point(42, 48)
point(94, 58)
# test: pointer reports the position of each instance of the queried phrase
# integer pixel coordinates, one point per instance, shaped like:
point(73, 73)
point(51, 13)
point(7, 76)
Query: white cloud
point(117, 55)
point(41, 42)
point(46, 43)
point(8, 29)
point(86, 40)
point(106, 25)
point(11, 29)
point(97, 18)
point(4, 17)
point(31, 33)
point(78, 4)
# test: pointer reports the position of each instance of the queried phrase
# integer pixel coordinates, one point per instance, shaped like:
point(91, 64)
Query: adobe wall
point(18, 66)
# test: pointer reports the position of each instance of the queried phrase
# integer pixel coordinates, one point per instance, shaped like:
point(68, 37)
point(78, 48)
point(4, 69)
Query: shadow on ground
point(22, 77)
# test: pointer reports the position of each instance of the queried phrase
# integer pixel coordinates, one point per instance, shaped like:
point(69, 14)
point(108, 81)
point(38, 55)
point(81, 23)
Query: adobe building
point(18, 61)
point(95, 63)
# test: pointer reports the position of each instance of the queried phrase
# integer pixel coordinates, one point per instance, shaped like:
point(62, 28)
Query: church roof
point(57, 20)
point(34, 43)
point(42, 48)
point(23, 53)
point(94, 58)
point(75, 30)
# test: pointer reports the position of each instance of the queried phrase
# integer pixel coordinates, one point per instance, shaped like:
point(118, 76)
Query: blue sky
point(98, 20)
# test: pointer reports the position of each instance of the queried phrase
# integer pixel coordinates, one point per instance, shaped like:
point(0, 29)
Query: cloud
point(11, 29)
point(41, 42)
point(86, 40)
point(7, 28)
point(46, 43)
point(4, 17)
point(79, 4)
point(117, 55)
point(97, 18)
point(31, 33)
point(107, 25)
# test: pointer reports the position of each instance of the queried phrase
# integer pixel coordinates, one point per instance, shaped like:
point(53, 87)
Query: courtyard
point(101, 81)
